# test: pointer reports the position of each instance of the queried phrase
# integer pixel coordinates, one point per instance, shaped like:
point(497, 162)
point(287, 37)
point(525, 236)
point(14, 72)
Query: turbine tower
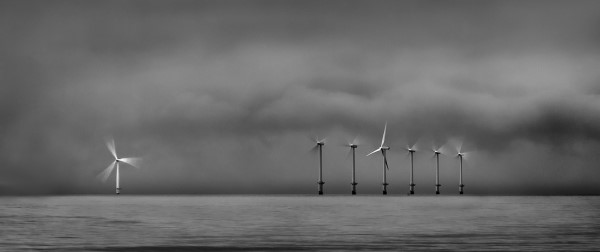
point(110, 143)
point(383, 150)
point(353, 145)
point(460, 180)
point(411, 152)
point(319, 145)
point(437, 170)
point(461, 155)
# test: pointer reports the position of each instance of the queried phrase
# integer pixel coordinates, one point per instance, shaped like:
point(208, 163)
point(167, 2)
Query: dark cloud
point(220, 96)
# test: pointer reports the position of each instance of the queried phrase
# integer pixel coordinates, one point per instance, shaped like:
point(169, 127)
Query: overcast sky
point(223, 96)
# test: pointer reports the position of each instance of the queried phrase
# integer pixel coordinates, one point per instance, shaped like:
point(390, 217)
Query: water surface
point(326, 223)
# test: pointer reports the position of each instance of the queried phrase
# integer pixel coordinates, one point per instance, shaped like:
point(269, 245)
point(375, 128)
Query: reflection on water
point(167, 223)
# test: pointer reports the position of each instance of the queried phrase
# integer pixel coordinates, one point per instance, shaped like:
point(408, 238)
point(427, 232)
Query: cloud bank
point(219, 97)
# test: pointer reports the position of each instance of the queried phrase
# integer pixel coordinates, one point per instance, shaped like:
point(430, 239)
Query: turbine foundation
point(437, 188)
point(460, 188)
point(118, 190)
point(354, 187)
point(320, 187)
point(385, 188)
point(412, 188)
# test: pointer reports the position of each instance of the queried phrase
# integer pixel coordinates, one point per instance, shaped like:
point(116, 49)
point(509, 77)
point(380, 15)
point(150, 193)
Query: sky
point(224, 97)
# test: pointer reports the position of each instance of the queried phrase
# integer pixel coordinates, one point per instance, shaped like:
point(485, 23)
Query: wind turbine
point(353, 145)
point(411, 152)
point(110, 143)
point(383, 150)
point(460, 181)
point(319, 145)
point(460, 154)
point(437, 152)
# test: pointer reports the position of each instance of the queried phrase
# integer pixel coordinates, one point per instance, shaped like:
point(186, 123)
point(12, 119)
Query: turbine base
point(320, 187)
point(353, 192)
point(385, 184)
point(412, 192)
point(118, 191)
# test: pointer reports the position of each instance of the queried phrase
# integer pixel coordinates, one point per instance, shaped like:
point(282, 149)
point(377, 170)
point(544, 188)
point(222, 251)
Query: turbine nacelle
point(353, 146)
point(437, 152)
point(411, 150)
point(321, 143)
point(385, 148)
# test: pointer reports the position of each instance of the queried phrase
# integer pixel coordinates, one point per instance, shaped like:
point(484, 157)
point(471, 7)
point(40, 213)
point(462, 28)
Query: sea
point(299, 223)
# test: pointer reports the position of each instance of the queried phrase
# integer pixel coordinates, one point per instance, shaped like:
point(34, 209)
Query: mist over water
point(333, 223)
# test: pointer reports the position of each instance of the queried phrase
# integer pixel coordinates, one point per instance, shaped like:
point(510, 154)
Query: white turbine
point(319, 145)
point(437, 152)
point(461, 155)
point(135, 162)
point(411, 151)
point(353, 145)
point(383, 150)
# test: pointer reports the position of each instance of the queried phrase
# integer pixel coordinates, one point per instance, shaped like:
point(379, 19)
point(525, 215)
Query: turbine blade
point(467, 155)
point(444, 150)
point(312, 138)
point(385, 161)
point(459, 145)
point(383, 138)
point(378, 149)
point(106, 172)
point(356, 141)
point(133, 161)
point(414, 145)
point(110, 143)
point(313, 150)
point(346, 142)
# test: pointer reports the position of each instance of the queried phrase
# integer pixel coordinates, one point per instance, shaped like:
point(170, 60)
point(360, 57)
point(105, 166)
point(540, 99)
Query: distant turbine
point(411, 151)
point(353, 145)
point(110, 143)
point(319, 145)
point(460, 154)
point(383, 150)
point(437, 153)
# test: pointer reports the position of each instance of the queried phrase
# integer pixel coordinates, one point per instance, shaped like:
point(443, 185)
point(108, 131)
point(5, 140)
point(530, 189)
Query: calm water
point(167, 223)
